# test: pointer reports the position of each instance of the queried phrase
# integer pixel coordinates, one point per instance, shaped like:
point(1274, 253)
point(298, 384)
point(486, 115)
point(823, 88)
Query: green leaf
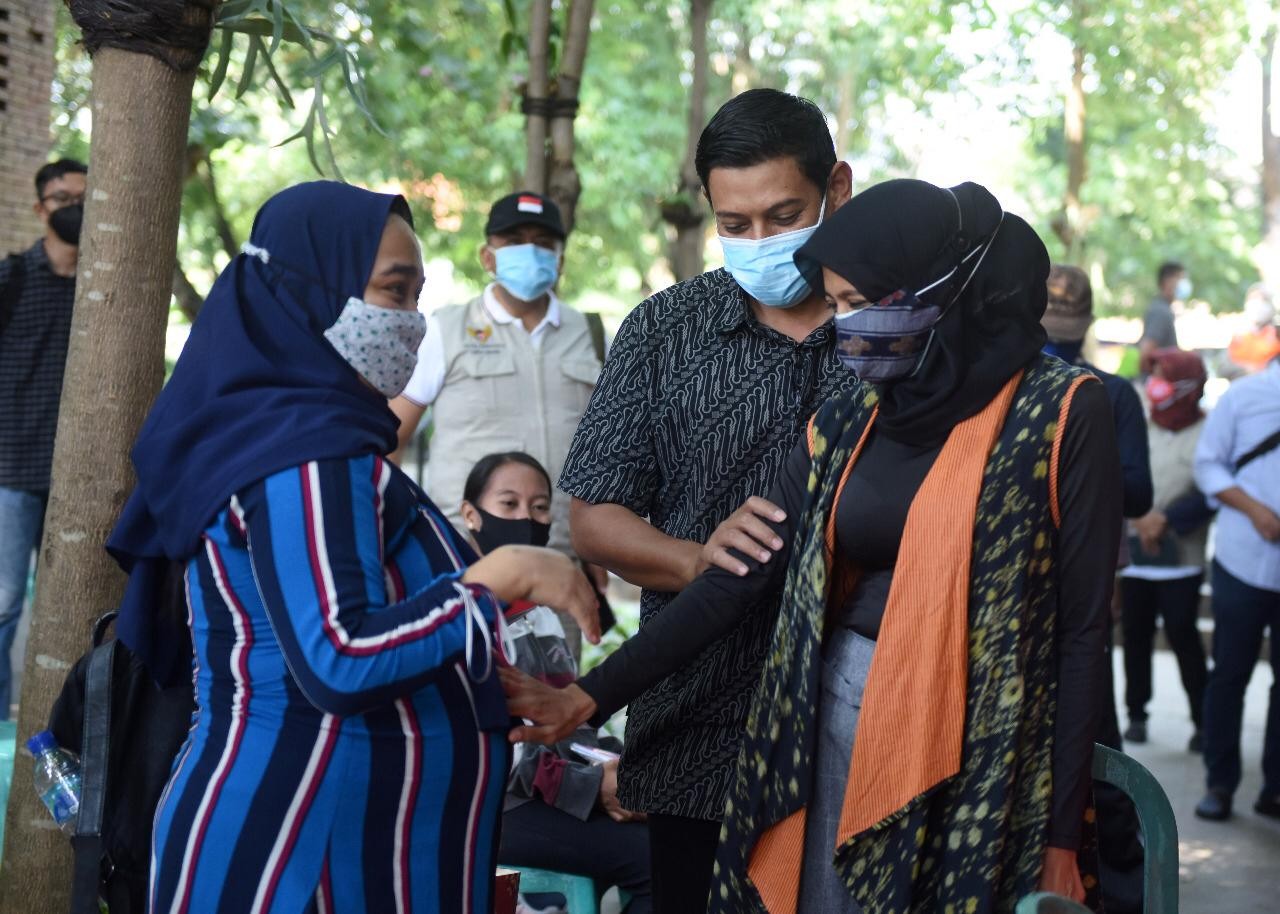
point(250, 59)
point(285, 96)
point(224, 59)
point(277, 27)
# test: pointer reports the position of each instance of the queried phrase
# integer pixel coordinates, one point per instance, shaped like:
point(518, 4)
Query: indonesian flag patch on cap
point(529, 205)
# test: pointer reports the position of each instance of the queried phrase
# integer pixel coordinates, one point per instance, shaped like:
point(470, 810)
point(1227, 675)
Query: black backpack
point(129, 731)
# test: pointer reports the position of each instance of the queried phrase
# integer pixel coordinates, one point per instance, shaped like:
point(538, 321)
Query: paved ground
point(1226, 868)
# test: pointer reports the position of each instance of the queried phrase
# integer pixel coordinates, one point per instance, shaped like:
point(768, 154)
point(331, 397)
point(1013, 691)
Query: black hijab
point(907, 234)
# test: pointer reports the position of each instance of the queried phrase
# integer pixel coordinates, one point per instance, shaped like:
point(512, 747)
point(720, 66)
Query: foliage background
point(942, 91)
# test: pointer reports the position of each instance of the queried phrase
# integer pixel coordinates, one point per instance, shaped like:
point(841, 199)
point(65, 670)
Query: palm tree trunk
point(687, 217)
point(536, 100)
point(563, 183)
point(115, 365)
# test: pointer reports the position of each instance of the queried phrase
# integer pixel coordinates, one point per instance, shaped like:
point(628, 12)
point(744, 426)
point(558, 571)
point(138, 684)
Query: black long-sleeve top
point(870, 519)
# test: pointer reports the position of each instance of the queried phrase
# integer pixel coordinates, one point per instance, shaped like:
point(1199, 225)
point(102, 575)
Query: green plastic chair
point(579, 891)
point(1048, 903)
point(1159, 837)
point(8, 739)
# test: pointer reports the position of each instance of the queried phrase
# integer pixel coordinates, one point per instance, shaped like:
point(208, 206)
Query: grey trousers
point(846, 662)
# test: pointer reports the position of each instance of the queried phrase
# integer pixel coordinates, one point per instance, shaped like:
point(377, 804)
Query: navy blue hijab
point(258, 389)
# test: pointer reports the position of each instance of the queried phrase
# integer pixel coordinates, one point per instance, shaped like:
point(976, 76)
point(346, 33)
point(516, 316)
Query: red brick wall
point(26, 75)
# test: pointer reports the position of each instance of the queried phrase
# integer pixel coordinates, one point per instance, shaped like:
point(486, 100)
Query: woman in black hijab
point(954, 521)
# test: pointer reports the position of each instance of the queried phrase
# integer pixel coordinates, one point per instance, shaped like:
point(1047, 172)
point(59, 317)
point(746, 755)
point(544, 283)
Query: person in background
point(37, 291)
point(512, 369)
point(1067, 318)
point(561, 813)
point(1252, 350)
point(1167, 560)
point(707, 388)
point(348, 751)
point(1238, 469)
point(1158, 329)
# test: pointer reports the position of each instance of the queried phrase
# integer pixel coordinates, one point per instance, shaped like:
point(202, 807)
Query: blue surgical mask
point(527, 271)
point(766, 267)
point(1182, 291)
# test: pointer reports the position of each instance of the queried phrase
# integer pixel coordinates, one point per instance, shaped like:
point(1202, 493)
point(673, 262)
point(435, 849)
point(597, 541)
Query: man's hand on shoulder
point(744, 530)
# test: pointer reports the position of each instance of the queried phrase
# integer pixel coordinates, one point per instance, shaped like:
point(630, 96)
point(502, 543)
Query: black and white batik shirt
point(697, 409)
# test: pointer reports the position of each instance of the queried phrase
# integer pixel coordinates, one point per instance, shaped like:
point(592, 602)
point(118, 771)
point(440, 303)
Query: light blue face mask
point(766, 267)
point(525, 270)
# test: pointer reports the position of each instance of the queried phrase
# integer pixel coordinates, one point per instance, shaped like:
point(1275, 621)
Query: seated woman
point(922, 736)
point(348, 746)
point(561, 812)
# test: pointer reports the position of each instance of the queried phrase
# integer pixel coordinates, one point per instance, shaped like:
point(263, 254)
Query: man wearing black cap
point(510, 370)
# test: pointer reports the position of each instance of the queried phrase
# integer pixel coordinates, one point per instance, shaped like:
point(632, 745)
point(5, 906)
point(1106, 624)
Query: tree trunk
point(536, 98)
point(563, 184)
point(1269, 261)
point(1069, 227)
point(745, 74)
point(847, 99)
point(686, 212)
point(115, 366)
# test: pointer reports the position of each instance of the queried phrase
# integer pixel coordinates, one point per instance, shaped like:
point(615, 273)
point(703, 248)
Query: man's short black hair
point(58, 169)
point(1168, 269)
point(764, 124)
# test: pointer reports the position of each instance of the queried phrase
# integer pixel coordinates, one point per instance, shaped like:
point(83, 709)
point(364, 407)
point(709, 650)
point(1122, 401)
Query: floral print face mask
point(379, 343)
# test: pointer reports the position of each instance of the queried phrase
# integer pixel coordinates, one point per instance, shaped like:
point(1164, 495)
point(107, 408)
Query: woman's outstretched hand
point(556, 713)
point(541, 576)
point(1061, 874)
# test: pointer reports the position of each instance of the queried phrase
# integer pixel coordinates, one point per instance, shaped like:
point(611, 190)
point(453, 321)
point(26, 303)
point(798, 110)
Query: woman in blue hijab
point(348, 750)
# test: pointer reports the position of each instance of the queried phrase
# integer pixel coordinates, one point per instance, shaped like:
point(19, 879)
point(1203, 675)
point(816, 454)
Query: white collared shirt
point(1245, 416)
point(428, 376)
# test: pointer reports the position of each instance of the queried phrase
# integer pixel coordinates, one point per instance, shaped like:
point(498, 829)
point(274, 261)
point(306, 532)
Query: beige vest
point(501, 393)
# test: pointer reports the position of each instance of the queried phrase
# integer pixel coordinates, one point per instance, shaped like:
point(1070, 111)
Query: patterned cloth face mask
point(379, 343)
point(888, 341)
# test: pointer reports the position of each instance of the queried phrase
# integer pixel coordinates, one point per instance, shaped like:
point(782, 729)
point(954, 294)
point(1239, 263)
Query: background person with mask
point(1257, 346)
point(561, 812)
point(512, 369)
point(37, 291)
point(1163, 580)
point(1158, 329)
point(707, 388)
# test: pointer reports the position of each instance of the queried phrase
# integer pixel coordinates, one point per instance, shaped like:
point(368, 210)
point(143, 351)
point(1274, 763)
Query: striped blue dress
point(348, 751)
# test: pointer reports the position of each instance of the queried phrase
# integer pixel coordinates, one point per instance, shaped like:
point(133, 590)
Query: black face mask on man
point(501, 531)
point(66, 222)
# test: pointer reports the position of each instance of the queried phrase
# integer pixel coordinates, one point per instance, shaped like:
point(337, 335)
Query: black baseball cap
point(524, 208)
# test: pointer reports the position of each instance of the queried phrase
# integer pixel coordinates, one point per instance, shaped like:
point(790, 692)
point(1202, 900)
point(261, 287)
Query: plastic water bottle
point(57, 779)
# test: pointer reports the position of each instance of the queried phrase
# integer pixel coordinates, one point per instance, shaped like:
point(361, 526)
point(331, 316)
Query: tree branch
point(220, 222)
point(190, 301)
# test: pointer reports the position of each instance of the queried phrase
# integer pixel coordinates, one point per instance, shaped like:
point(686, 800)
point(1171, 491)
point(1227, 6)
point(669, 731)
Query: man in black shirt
point(37, 289)
point(707, 388)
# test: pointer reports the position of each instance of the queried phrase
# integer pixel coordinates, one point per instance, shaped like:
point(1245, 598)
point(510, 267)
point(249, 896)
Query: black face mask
point(499, 531)
point(66, 221)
